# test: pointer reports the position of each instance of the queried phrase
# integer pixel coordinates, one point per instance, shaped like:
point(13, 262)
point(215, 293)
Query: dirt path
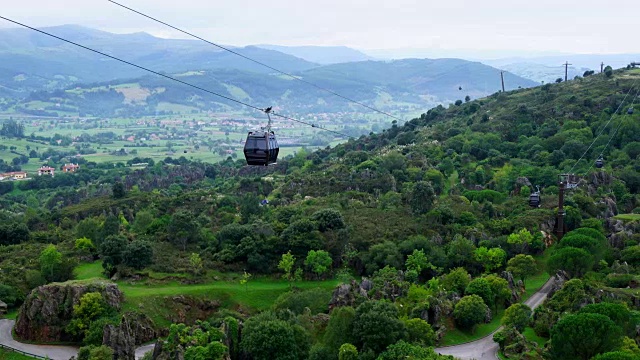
point(486, 348)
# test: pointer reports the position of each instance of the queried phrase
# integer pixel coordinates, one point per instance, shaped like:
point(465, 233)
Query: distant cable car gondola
point(261, 147)
point(600, 163)
point(630, 111)
point(534, 199)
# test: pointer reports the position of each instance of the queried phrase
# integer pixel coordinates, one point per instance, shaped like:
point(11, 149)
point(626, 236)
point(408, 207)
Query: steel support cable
point(605, 126)
point(256, 61)
point(615, 132)
point(172, 78)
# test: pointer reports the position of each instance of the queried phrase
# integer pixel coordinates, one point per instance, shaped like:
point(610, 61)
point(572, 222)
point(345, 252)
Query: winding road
point(486, 348)
point(54, 352)
point(482, 349)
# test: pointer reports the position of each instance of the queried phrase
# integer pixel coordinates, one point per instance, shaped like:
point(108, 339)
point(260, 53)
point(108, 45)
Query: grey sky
point(568, 26)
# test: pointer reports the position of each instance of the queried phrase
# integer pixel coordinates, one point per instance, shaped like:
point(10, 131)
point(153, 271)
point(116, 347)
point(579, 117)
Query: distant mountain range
point(324, 55)
point(30, 61)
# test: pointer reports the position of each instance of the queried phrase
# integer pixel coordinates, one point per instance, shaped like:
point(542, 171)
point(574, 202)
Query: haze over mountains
point(30, 61)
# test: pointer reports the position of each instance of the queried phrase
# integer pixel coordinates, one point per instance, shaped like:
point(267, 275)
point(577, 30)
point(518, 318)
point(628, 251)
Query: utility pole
point(601, 67)
point(566, 71)
point(561, 212)
point(502, 79)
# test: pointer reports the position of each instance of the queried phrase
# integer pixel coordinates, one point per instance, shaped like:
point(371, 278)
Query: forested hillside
point(425, 228)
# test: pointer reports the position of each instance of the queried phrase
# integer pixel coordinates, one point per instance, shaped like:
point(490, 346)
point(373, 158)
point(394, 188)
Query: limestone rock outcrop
point(48, 309)
point(121, 339)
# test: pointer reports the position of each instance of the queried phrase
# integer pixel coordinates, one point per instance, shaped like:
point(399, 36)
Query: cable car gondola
point(261, 147)
point(630, 111)
point(534, 199)
point(600, 163)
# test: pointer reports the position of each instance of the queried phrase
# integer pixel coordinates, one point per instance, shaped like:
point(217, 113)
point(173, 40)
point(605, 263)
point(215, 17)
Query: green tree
point(138, 254)
point(50, 259)
point(142, 222)
point(91, 307)
point(102, 352)
point(590, 244)
point(340, 328)
point(347, 352)
point(318, 262)
point(421, 197)
point(245, 281)
point(522, 266)
point(286, 264)
point(267, 338)
point(415, 263)
point(9, 295)
point(583, 336)
point(184, 228)
point(84, 244)
point(328, 219)
point(490, 259)
point(403, 350)
point(118, 190)
point(460, 252)
point(393, 161)
point(456, 280)
point(480, 287)
point(517, 315)
point(576, 262)
point(618, 313)
point(419, 332)
point(195, 263)
point(376, 325)
point(470, 311)
point(521, 240)
point(616, 355)
point(111, 251)
point(499, 289)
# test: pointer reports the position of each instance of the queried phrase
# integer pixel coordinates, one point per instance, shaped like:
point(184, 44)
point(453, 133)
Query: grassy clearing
point(11, 315)
point(628, 217)
point(534, 284)
point(532, 336)
point(10, 355)
point(149, 296)
point(89, 271)
point(458, 336)
point(258, 296)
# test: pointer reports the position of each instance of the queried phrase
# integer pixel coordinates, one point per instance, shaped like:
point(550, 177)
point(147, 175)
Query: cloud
point(581, 26)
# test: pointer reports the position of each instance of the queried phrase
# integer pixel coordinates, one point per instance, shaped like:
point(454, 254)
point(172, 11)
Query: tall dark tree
point(118, 190)
point(421, 197)
point(583, 336)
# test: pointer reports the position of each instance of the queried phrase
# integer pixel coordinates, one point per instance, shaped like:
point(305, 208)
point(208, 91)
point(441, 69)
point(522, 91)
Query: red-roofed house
point(46, 170)
point(70, 167)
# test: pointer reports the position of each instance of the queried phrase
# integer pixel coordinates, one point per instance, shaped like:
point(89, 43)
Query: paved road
point(486, 348)
point(143, 350)
point(53, 352)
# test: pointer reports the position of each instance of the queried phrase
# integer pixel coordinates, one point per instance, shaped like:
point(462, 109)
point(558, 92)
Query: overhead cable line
point(615, 132)
point(605, 126)
point(173, 78)
point(257, 62)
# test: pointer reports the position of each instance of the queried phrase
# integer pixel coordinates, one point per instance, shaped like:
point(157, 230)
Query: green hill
point(432, 212)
